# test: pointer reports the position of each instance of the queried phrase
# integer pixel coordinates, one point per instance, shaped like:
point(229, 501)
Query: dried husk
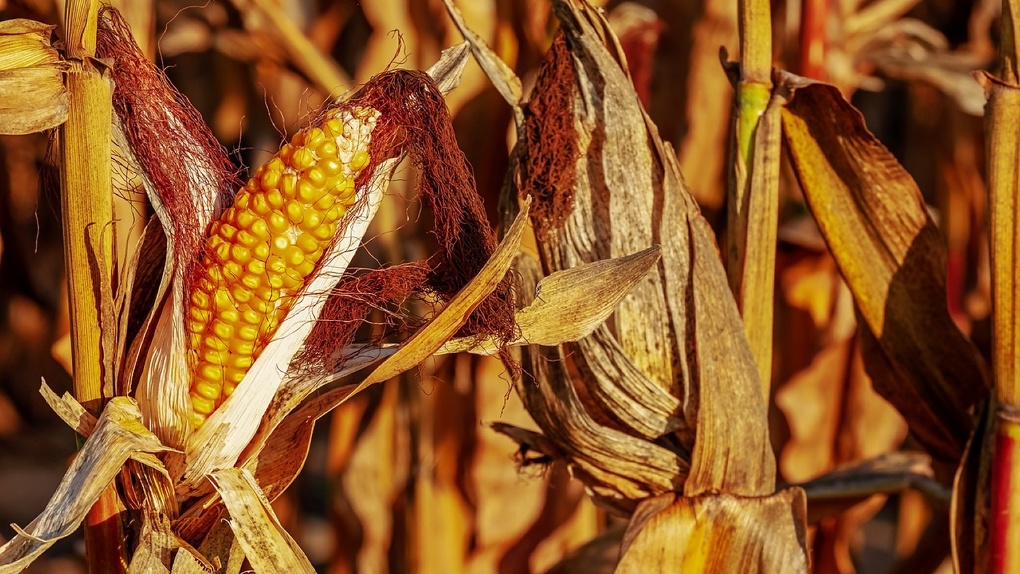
point(889, 252)
point(32, 93)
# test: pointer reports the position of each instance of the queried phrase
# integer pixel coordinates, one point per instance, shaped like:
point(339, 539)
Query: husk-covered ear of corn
point(262, 250)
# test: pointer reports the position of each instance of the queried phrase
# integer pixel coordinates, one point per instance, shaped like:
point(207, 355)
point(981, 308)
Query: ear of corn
point(261, 251)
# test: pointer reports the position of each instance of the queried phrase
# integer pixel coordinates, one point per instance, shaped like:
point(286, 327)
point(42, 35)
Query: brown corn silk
point(414, 119)
point(551, 148)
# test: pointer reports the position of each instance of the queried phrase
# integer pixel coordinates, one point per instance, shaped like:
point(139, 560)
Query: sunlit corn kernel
point(308, 192)
point(306, 268)
point(314, 256)
point(210, 372)
point(244, 220)
point(214, 273)
point(196, 327)
point(232, 270)
point(222, 251)
point(265, 293)
point(261, 251)
point(251, 281)
point(316, 176)
point(286, 153)
point(331, 167)
point(306, 242)
point(214, 343)
point(200, 300)
point(256, 267)
point(295, 211)
point(335, 128)
point(241, 361)
point(246, 238)
point(234, 376)
point(251, 316)
point(334, 213)
point(359, 161)
point(240, 347)
point(260, 229)
point(270, 178)
point(223, 330)
point(293, 255)
point(314, 138)
point(277, 222)
point(275, 264)
point(200, 316)
point(324, 231)
point(291, 279)
point(325, 202)
point(275, 198)
point(276, 281)
point(247, 332)
point(208, 390)
point(260, 206)
point(239, 253)
point(202, 405)
point(230, 316)
point(197, 419)
point(327, 150)
point(288, 185)
point(228, 389)
point(227, 232)
point(240, 293)
point(259, 304)
point(279, 244)
point(241, 202)
point(312, 220)
point(222, 300)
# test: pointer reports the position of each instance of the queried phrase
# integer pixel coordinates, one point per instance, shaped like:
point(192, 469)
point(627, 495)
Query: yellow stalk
point(86, 202)
point(752, 212)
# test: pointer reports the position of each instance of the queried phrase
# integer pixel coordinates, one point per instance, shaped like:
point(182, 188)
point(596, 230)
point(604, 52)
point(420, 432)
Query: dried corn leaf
point(716, 533)
point(156, 542)
point(267, 546)
point(118, 435)
point(570, 304)
point(32, 93)
point(890, 253)
point(220, 548)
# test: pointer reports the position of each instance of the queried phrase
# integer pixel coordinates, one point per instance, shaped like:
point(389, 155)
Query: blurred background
point(408, 477)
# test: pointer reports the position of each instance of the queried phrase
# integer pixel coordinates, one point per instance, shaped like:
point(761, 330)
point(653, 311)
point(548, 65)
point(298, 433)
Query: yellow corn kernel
point(263, 249)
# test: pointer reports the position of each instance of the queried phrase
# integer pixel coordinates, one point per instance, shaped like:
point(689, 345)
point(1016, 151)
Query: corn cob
point(262, 250)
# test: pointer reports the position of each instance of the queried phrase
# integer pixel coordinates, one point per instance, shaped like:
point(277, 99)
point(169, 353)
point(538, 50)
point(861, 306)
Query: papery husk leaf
point(155, 543)
point(69, 410)
point(969, 507)
point(836, 491)
point(219, 547)
point(570, 304)
point(286, 434)
point(32, 93)
point(503, 78)
point(118, 434)
point(717, 533)
point(679, 330)
point(220, 440)
point(889, 251)
point(266, 545)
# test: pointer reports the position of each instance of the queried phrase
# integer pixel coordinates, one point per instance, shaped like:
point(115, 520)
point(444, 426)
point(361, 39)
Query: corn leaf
point(715, 533)
point(873, 218)
point(32, 93)
point(267, 546)
point(118, 435)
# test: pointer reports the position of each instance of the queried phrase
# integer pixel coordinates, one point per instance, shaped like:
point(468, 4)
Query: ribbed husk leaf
point(673, 360)
point(890, 253)
point(716, 533)
point(117, 436)
point(32, 93)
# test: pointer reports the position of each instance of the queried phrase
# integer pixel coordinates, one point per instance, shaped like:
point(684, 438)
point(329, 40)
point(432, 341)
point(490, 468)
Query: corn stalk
point(1003, 114)
point(752, 211)
point(86, 201)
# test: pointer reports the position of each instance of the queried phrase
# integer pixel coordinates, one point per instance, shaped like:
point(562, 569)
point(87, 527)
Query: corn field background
point(420, 474)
